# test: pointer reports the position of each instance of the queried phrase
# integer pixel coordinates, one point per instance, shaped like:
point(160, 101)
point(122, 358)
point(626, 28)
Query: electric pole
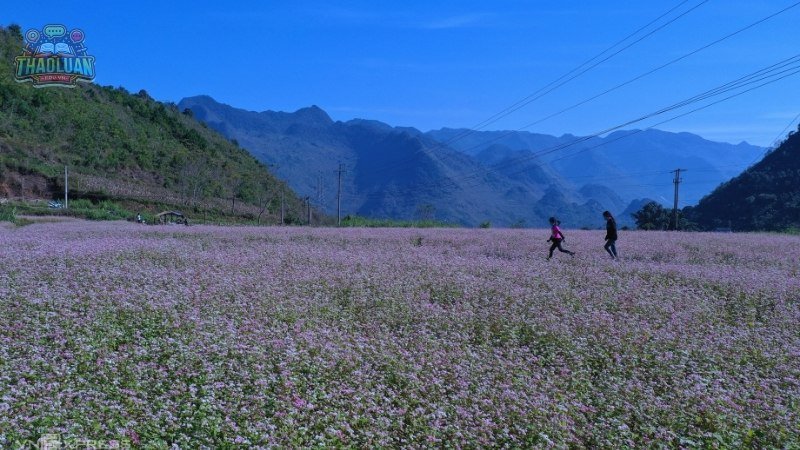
point(677, 181)
point(339, 196)
point(275, 166)
point(282, 205)
point(66, 188)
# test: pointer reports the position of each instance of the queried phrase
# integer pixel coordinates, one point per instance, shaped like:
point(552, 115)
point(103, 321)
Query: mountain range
point(506, 178)
point(128, 147)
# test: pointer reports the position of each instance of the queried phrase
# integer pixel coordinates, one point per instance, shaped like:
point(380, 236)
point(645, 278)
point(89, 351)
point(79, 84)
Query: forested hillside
point(764, 197)
point(123, 146)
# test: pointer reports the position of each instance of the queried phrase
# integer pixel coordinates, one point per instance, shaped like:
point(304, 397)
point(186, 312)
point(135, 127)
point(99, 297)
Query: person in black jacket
point(611, 235)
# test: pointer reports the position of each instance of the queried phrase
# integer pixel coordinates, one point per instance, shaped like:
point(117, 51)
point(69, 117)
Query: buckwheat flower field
point(212, 337)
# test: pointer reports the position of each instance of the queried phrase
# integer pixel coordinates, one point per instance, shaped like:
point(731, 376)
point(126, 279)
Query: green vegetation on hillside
point(358, 221)
point(765, 197)
point(124, 147)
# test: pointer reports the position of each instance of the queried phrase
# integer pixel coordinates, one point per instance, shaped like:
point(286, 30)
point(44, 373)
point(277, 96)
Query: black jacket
point(611, 230)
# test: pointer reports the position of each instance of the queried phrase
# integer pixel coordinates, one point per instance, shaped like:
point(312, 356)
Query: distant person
point(138, 218)
point(556, 237)
point(611, 235)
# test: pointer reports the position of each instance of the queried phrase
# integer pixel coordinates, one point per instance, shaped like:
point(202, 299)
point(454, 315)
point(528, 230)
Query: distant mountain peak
point(370, 124)
point(314, 115)
point(202, 98)
point(309, 115)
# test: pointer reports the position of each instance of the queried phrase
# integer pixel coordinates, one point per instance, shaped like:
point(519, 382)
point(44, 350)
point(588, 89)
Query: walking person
point(557, 237)
point(611, 235)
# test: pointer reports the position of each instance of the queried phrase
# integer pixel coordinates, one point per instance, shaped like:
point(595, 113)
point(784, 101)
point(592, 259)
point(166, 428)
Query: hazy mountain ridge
point(634, 163)
point(400, 173)
point(506, 178)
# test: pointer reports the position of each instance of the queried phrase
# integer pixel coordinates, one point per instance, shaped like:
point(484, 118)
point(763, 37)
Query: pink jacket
point(556, 232)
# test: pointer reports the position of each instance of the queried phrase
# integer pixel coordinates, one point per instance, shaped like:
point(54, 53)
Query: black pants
point(611, 247)
point(557, 245)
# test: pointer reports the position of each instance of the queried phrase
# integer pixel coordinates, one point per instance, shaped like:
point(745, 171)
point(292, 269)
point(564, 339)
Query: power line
point(690, 112)
point(645, 74)
point(756, 77)
point(560, 81)
point(775, 141)
point(783, 132)
point(653, 172)
point(421, 149)
point(606, 142)
point(569, 77)
point(770, 71)
point(768, 75)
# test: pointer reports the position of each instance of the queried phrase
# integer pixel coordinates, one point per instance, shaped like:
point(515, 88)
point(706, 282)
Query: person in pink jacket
point(556, 237)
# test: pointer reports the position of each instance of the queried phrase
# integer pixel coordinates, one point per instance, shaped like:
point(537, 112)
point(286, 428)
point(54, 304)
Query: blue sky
point(446, 64)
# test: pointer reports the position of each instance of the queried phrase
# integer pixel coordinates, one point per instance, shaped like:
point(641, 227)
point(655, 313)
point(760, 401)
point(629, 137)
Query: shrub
point(8, 214)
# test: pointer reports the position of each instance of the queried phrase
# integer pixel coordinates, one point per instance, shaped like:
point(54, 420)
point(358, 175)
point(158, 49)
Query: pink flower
point(134, 436)
point(299, 402)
